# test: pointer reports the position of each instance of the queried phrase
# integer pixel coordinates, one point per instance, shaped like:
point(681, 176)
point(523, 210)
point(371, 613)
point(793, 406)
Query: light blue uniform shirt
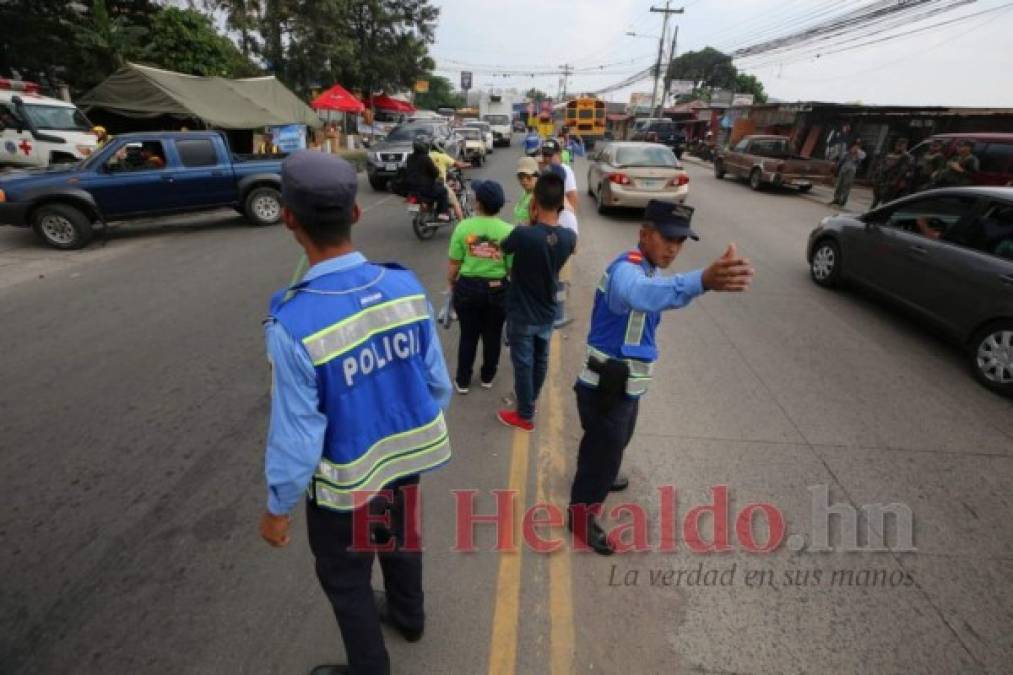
point(295, 437)
point(631, 289)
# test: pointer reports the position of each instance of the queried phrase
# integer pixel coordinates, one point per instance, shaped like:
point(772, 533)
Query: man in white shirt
point(552, 155)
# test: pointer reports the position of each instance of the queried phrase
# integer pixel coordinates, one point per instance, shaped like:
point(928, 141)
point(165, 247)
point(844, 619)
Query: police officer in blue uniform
point(621, 351)
point(358, 391)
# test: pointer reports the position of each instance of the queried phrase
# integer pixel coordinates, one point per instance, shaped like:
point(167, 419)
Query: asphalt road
point(133, 413)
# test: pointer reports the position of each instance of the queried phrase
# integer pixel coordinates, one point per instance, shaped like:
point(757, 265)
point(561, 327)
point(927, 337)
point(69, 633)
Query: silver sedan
point(630, 174)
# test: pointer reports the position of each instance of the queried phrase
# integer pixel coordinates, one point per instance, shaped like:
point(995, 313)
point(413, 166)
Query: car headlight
point(85, 150)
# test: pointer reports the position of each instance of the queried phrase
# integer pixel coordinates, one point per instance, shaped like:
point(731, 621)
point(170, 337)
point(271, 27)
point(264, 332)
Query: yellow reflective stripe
point(407, 441)
point(328, 496)
point(352, 331)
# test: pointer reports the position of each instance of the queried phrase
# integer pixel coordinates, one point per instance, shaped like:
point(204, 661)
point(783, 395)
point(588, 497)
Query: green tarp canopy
point(144, 92)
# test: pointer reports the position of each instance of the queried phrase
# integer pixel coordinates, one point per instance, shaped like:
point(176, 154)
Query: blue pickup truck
point(140, 175)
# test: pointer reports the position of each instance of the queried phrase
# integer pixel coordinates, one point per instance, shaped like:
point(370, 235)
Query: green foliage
point(184, 40)
point(536, 94)
point(748, 84)
point(711, 69)
point(441, 94)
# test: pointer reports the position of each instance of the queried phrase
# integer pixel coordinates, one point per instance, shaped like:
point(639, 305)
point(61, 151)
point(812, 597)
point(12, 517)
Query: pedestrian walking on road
point(622, 349)
point(847, 168)
point(359, 384)
point(539, 252)
point(893, 174)
point(477, 273)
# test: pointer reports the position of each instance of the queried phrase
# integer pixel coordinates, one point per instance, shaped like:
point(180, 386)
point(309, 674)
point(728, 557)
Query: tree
point(536, 94)
point(710, 69)
point(748, 84)
point(184, 40)
point(440, 95)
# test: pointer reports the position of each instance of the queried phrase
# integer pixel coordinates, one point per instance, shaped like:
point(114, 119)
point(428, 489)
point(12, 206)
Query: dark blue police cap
point(318, 187)
point(671, 220)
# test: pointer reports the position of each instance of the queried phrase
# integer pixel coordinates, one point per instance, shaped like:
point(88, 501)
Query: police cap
point(318, 187)
point(671, 220)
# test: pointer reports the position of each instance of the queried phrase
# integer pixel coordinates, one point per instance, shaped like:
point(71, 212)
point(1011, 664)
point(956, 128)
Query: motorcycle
point(425, 221)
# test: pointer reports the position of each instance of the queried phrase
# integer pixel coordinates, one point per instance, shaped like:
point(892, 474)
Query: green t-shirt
point(476, 244)
point(521, 214)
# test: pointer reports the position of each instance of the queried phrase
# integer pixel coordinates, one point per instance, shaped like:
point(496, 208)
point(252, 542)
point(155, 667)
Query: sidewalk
point(859, 201)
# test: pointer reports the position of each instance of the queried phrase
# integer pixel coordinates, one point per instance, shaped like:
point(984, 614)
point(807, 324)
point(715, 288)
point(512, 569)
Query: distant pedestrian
point(527, 174)
point(893, 174)
point(960, 169)
point(928, 165)
point(539, 252)
point(477, 273)
point(847, 167)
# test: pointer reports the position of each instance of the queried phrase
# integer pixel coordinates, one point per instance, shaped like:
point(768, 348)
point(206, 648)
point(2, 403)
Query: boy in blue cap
point(621, 350)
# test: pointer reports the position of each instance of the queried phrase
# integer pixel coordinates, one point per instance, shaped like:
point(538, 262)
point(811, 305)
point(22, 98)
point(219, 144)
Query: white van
point(37, 130)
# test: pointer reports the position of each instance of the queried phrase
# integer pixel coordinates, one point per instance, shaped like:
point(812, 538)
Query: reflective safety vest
point(629, 336)
point(366, 330)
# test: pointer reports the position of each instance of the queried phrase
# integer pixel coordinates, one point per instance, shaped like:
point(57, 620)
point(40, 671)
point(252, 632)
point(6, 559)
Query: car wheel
point(600, 200)
point(755, 179)
point(991, 356)
point(805, 188)
point(825, 267)
point(62, 226)
point(378, 183)
point(719, 169)
point(263, 206)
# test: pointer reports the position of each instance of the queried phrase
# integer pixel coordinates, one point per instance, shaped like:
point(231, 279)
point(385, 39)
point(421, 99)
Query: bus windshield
point(56, 118)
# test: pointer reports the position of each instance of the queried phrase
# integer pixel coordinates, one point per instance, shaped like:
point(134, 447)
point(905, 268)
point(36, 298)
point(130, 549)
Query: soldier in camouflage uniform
point(892, 175)
point(930, 163)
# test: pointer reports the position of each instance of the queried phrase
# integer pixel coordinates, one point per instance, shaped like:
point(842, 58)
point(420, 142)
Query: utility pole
point(567, 72)
point(667, 11)
point(667, 82)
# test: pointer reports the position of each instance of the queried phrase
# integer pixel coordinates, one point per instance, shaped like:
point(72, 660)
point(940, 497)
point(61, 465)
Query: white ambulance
point(37, 131)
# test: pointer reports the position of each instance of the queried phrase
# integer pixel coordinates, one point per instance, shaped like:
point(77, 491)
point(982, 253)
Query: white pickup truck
point(38, 131)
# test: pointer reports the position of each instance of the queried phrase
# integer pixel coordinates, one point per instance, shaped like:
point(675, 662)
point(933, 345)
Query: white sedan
point(490, 142)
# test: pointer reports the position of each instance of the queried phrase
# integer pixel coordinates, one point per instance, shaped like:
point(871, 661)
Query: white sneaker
point(461, 390)
point(487, 385)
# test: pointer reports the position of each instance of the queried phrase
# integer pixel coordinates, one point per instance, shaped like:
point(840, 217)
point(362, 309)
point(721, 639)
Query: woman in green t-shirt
point(527, 176)
point(478, 276)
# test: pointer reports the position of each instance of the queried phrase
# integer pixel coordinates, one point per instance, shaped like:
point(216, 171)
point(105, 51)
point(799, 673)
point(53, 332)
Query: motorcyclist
point(443, 163)
point(422, 177)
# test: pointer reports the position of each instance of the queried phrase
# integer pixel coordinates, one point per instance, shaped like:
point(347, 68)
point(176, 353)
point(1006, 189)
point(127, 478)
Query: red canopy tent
point(384, 102)
point(337, 98)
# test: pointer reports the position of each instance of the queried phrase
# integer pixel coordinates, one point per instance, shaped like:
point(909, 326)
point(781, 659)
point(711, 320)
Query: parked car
point(994, 153)
point(474, 145)
point(140, 175)
point(387, 158)
point(36, 130)
point(945, 254)
point(487, 135)
point(768, 160)
point(630, 174)
point(660, 130)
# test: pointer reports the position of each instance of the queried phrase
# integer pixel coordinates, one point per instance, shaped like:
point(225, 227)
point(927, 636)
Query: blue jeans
point(529, 352)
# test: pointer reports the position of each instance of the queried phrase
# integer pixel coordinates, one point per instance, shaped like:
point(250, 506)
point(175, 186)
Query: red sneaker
point(512, 419)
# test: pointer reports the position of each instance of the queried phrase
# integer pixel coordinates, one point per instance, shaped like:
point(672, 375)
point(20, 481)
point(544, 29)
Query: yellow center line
point(503, 646)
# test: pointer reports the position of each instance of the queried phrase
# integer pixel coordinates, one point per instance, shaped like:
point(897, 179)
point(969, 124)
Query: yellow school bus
point(584, 116)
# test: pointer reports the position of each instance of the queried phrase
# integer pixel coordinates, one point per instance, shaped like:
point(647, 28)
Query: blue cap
point(489, 193)
point(671, 220)
point(556, 169)
point(318, 187)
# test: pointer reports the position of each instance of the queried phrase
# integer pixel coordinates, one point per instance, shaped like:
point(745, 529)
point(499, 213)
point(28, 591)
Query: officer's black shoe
point(619, 484)
point(331, 670)
point(409, 634)
point(596, 537)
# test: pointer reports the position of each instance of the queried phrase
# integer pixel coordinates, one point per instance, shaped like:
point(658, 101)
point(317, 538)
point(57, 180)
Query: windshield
point(478, 125)
point(471, 134)
point(56, 118)
point(646, 156)
point(497, 119)
point(409, 133)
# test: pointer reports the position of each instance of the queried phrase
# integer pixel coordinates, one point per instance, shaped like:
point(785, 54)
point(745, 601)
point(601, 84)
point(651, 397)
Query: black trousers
point(345, 577)
point(607, 432)
point(480, 309)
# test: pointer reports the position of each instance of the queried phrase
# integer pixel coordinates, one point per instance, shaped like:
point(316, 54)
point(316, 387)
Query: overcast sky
point(968, 63)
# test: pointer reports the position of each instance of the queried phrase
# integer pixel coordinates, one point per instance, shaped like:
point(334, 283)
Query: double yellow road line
point(550, 484)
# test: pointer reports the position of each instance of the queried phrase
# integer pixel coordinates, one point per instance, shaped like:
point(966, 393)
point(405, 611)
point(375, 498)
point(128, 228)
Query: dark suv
point(388, 157)
point(945, 254)
point(660, 130)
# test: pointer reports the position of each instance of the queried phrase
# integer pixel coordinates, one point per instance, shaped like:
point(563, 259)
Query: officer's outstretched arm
point(630, 288)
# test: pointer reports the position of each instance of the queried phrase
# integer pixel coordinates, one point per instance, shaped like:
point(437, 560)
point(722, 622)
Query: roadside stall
point(338, 102)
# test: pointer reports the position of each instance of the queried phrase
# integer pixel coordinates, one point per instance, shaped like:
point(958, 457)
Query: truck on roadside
point(497, 110)
point(38, 131)
point(139, 176)
point(769, 160)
